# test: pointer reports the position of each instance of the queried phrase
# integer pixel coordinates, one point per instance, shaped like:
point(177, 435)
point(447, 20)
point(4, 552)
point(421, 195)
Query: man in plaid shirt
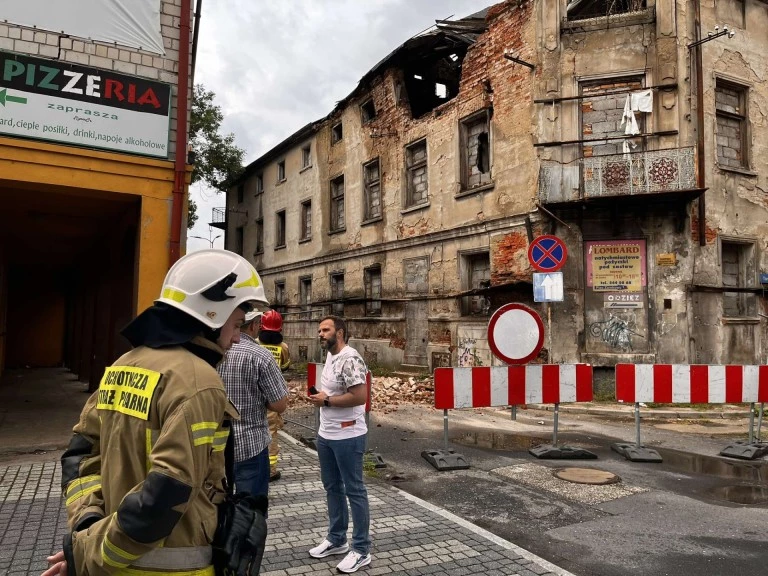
point(254, 383)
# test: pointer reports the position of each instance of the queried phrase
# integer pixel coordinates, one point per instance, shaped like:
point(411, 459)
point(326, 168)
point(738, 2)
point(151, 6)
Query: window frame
point(305, 296)
point(279, 304)
point(466, 258)
point(368, 111)
point(747, 276)
point(240, 193)
point(367, 184)
point(410, 167)
point(305, 234)
point(306, 156)
point(259, 226)
point(335, 201)
point(281, 174)
point(337, 308)
point(280, 232)
point(337, 132)
point(464, 128)
point(743, 93)
point(259, 184)
point(372, 304)
point(239, 246)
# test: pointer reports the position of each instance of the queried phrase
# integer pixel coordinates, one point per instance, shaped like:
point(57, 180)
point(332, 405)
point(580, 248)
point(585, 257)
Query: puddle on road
point(746, 470)
point(741, 494)
point(500, 440)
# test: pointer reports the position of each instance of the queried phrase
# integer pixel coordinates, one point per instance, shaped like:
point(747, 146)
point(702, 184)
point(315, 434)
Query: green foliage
point(218, 161)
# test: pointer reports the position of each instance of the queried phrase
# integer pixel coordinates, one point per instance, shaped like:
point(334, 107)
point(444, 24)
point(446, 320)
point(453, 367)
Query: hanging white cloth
point(642, 101)
point(629, 118)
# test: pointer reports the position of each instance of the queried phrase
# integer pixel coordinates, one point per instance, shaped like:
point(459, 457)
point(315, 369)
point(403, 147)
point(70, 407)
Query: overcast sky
point(276, 65)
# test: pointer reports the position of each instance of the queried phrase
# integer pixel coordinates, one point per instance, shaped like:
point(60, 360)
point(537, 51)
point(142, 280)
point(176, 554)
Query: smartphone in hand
point(313, 390)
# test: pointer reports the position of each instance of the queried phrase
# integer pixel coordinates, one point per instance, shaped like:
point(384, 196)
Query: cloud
point(277, 65)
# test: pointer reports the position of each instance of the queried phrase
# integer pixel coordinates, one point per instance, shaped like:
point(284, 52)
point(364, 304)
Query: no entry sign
point(547, 253)
point(515, 334)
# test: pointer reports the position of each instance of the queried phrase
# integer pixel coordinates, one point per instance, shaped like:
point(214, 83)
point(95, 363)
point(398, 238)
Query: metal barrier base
point(445, 460)
point(550, 452)
point(636, 453)
point(378, 461)
point(309, 442)
point(745, 450)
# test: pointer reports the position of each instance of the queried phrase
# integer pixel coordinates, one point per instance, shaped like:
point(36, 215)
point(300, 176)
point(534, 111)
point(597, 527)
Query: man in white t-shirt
point(340, 446)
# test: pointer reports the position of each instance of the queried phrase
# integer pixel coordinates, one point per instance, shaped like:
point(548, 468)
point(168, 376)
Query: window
point(595, 8)
point(259, 184)
point(305, 296)
point(280, 229)
point(279, 303)
point(601, 116)
point(337, 204)
point(476, 273)
point(239, 239)
point(281, 171)
point(240, 193)
point(738, 270)
point(372, 190)
point(337, 133)
point(731, 111)
point(475, 151)
point(373, 291)
point(367, 111)
point(259, 236)
point(306, 156)
point(417, 186)
point(306, 220)
point(337, 293)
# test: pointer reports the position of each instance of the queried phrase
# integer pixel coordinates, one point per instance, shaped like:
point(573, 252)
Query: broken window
point(280, 229)
point(373, 291)
point(476, 150)
point(337, 293)
point(306, 156)
point(476, 274)
point(259, 184)
point(372, 190)
point(239, 240)
point(337, 133)
point(306, 220)
point(337, 204)
point(259, 236)
point(602, 116)
point(279, 302)
point(583, 9)
point(281, 171)
point(731, 112)
point(738, 271)
point(305, 296)
point(417, 184)
point(367, 111)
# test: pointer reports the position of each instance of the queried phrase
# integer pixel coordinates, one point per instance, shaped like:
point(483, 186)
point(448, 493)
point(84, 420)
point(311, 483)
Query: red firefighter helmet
point(272, 321)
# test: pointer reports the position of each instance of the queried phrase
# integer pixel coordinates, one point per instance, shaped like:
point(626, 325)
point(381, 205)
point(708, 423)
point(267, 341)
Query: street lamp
point(207, 239)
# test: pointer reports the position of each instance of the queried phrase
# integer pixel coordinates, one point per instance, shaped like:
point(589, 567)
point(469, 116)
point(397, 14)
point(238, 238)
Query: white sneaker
point(326, 548)
point(353, 561)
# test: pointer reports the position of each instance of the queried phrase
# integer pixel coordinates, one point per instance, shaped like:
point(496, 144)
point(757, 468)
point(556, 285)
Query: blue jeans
point(252, 475)
point(341, 469)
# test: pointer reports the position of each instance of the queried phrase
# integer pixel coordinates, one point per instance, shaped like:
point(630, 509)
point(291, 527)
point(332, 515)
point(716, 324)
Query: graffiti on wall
point(467, 353)
point(615, 332)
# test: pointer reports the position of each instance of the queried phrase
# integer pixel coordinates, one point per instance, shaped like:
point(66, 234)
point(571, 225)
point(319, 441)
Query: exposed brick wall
point(122, 59)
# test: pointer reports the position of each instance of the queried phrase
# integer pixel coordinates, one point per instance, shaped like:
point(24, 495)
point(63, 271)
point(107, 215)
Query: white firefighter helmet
point(253, 315)
point(210, 284)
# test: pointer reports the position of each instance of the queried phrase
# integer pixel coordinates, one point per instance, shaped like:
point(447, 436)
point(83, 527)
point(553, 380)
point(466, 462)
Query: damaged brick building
point(409, 209)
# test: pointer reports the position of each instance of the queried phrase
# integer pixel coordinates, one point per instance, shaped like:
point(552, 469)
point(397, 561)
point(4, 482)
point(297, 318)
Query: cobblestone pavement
point(410, 536)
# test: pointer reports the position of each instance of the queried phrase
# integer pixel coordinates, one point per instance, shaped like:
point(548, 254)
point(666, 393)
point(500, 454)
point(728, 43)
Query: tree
point(218, 161)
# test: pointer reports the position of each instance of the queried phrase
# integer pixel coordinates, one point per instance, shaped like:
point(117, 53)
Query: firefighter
point(271, 337)
point(145, 469)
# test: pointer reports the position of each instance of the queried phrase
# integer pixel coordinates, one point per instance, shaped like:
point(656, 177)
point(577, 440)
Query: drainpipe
point(182, 108)
point(701, 158)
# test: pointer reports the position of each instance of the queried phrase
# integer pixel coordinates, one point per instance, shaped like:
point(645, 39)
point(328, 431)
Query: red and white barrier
point(691, 384)
point(486, 386)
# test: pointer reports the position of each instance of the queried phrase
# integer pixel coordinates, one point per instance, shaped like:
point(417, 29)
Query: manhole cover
point(741, 494)
point(586, 476)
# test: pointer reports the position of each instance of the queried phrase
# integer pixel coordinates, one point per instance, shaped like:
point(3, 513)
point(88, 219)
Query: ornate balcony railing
point(617, 175)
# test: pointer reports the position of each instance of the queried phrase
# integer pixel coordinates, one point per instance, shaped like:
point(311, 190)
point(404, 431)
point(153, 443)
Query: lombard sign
point(71, 104)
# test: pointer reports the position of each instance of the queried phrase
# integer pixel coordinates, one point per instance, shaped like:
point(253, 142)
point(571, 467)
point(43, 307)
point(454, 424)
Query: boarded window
point(373, 291)
point(280, 229)
point(738, 271)
point(476, 274)
point(305, 297)
point(475, 150)
point(306, 220)
point(417, 183)
point(337, 294)
point(372, 186)
point(337, 204)
point(731, 110)
point(601, 115)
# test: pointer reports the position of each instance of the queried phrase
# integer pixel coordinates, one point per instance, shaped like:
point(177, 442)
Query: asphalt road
point(660, 520)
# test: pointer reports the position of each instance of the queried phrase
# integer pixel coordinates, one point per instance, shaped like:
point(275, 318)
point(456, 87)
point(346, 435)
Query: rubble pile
point(388, 392)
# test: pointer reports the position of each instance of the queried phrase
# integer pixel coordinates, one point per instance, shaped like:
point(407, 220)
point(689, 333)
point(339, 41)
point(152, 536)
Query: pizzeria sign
point(72, 104)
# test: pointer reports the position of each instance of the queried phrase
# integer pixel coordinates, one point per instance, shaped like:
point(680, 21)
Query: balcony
point(651, 173)
point(219, 218)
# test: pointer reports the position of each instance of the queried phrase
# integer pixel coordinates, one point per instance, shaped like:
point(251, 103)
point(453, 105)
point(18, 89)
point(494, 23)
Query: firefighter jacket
point(145, 468)
point(279, 352)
